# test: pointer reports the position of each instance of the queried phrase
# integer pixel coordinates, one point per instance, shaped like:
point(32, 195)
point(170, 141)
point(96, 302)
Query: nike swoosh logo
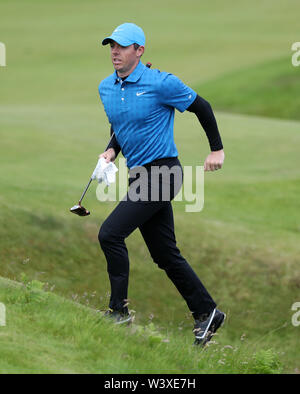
point(140, 93)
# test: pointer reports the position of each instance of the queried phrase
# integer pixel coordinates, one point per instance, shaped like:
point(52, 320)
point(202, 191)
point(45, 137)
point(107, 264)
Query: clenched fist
point(214, 160)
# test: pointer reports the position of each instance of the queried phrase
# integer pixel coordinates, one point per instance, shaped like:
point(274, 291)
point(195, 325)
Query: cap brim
point(120, 40)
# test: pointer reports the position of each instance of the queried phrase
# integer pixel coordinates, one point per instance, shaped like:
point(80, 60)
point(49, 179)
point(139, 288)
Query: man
point(139, 103)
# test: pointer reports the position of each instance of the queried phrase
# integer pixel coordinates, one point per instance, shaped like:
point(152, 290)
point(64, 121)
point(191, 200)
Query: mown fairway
point(244, 244)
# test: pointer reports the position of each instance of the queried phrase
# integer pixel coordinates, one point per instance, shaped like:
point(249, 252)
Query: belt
point(159, 162)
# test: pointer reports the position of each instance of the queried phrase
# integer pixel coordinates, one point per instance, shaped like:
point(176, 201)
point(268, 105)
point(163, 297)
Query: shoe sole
point(129, 320)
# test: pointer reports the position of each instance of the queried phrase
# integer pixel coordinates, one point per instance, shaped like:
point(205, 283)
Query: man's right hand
point(109, 155)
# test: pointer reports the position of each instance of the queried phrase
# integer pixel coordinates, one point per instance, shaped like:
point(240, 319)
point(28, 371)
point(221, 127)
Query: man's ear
point(140, 51)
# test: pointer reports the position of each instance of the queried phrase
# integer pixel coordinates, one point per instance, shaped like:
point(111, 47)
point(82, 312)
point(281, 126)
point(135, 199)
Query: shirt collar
point(134, 76)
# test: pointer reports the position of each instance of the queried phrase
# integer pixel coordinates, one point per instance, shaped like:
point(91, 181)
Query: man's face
point(124, 59)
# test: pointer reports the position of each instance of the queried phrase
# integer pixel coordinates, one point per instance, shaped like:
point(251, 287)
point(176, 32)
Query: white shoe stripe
point(124, 321)
point(205, 332)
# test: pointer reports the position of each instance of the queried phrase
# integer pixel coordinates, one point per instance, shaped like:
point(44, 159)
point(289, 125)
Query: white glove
point(105, 172)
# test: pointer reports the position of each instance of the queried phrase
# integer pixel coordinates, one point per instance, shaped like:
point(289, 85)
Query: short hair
point(136, 46)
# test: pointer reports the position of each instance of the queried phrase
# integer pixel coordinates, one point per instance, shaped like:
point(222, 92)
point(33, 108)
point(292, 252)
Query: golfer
point(140, 105)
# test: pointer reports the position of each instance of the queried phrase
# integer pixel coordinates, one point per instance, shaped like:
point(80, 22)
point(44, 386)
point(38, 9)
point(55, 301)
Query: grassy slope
point(65, 62)
point(269, 89)
point(48, 334)
point(244, 244)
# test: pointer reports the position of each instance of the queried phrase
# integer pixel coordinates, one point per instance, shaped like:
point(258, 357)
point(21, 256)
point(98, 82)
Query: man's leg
point(158, 233)
point(123, 220)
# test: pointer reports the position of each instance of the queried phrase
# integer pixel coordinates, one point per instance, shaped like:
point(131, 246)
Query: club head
point(79, 210)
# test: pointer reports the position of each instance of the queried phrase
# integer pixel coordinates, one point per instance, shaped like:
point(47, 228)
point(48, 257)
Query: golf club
point(79, 209)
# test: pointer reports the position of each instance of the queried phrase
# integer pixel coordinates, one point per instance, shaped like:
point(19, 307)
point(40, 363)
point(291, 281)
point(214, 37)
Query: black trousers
point(156, 224)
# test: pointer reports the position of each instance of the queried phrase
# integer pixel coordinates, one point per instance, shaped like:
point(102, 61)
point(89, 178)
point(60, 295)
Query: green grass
point(270, 89)
point(244, 244)
point(48, 334)
point(198, 42)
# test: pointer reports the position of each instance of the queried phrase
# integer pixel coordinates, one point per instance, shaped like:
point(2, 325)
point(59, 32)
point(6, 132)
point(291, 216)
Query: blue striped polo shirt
point(141, 112)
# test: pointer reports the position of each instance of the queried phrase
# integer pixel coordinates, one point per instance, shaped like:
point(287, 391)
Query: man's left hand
point(214, 160)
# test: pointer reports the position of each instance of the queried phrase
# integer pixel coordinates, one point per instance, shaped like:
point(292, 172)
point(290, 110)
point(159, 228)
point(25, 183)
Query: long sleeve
point(114, 143)
point(207, 119)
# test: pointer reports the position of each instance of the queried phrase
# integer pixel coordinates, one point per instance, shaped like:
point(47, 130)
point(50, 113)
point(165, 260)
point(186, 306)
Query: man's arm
point(113, 148)
point(207, 119)
point(114, 143)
